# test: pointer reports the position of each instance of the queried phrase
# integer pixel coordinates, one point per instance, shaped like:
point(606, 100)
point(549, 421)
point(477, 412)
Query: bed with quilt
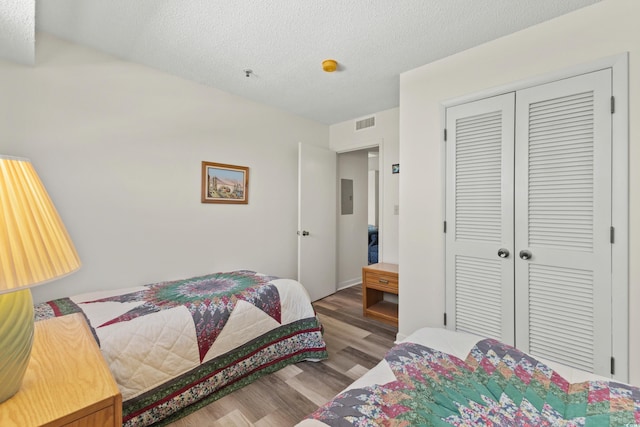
point(174, 347)
point(438, 377)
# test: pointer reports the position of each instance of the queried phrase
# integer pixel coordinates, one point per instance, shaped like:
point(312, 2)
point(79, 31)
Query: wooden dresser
point(67, 383)
point(378, 279)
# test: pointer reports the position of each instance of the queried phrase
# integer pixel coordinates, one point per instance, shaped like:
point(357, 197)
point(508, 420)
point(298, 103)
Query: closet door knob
point(503, 253)
point(525, 255)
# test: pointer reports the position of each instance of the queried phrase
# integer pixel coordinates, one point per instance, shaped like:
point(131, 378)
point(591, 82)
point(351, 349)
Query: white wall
point(352, 228)
point(604, 29)
point(119, 148)
point(344, 138)
point(373, 191)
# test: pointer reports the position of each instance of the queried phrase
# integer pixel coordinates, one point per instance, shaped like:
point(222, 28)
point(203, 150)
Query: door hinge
point(445, 226)
point(445, 319)
point(613, 365)
point(612, 234)
point(445, 134)
point(613, 104)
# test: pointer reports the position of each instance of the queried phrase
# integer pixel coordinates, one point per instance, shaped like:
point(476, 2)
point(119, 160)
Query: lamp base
point(16, 339)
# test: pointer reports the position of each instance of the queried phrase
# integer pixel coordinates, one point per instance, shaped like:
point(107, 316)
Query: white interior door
point(563, 218)
point(317, 182)
point(479, 215)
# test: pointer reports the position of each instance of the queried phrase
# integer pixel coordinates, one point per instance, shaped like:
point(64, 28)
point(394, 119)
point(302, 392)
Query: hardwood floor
point(355, 345)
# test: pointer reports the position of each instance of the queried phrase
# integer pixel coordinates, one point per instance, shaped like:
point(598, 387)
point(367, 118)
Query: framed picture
point(224, 183)
point(395, 168)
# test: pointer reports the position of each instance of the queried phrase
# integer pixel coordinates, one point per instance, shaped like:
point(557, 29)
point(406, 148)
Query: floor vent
point(366, 123)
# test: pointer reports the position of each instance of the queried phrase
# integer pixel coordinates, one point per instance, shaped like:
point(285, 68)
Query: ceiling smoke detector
point(329, 65)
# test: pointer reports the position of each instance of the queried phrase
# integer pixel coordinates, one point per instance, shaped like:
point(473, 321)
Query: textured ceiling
point(17, 30)
point(285, 41)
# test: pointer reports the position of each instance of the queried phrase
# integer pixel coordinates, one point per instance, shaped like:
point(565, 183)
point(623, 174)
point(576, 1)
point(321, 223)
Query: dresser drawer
point(387, 282)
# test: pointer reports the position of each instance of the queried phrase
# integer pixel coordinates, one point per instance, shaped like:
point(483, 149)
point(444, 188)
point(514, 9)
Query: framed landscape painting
point(224, 183)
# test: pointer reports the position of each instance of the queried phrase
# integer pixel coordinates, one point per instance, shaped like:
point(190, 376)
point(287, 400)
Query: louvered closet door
point(563, 218)
point(479, 215)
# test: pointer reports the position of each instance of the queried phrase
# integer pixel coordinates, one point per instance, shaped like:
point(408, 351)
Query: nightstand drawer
point(382, 281)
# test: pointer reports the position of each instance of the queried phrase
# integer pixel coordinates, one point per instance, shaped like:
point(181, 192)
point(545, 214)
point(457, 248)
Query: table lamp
point(34, 249)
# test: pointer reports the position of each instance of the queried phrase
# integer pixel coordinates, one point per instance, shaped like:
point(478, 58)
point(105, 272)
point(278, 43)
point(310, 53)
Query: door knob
point(304, 233)
point(525, 255)
point(503, 253)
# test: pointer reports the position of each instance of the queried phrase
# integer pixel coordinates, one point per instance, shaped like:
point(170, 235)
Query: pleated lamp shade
point(34, 249)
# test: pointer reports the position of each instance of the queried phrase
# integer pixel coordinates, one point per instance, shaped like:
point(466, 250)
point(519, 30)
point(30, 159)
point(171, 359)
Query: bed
point(442, 378)
point(174, 347)
point(372, 245)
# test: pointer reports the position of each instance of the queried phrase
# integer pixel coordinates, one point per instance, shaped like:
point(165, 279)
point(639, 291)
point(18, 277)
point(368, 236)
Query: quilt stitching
point(282, 346)
point(497, 385)
point(210, 300)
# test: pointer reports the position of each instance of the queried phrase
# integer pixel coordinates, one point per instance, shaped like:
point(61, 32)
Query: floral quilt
point(497, 385)
point(176, 346)
point(210, 300)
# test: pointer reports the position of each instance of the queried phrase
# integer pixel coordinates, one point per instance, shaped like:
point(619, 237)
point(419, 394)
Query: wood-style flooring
point(355, 345)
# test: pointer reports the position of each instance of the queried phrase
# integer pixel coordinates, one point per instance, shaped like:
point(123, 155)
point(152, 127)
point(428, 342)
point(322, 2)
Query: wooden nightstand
point(376, 280)
point(67, 383)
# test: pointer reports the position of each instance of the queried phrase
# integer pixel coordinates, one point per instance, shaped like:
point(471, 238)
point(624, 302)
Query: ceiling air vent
point(369, 122)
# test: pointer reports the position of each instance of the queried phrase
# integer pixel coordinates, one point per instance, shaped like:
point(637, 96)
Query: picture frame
point(395, 168)
point(222, 183)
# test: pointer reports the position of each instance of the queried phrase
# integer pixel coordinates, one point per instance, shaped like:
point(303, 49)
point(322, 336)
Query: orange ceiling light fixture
point(329, 65)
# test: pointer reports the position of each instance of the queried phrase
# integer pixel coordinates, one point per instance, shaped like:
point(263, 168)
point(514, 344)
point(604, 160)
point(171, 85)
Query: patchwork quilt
point(497, 385)
point(175, 346)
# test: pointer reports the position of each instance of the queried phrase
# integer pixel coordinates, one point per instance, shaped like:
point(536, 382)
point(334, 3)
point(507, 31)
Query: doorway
point(356, 228)
point(373, 206)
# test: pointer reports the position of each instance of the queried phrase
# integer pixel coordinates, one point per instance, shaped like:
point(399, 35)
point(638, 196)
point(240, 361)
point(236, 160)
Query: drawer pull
point(383, 281)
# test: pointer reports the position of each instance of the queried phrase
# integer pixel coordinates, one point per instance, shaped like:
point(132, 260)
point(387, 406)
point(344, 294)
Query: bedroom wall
point(604, 29)
point(385, 134)
point(119, 148)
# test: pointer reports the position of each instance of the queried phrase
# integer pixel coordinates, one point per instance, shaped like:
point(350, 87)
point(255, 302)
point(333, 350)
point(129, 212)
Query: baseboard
point(400, 337)
point(349, 283)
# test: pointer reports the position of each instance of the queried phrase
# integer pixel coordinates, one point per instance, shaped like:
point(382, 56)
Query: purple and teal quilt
point(175, 346)
point(497, 385)
point(210, 300)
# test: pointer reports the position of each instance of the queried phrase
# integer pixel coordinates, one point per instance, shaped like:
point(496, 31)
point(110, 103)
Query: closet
point(528, 219)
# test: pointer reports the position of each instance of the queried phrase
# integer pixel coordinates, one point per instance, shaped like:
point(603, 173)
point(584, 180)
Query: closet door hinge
point(613, 104)
point(612, 234)
point(445, 319)
point(613, 365)
point(445, 134)
point(445, 226)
